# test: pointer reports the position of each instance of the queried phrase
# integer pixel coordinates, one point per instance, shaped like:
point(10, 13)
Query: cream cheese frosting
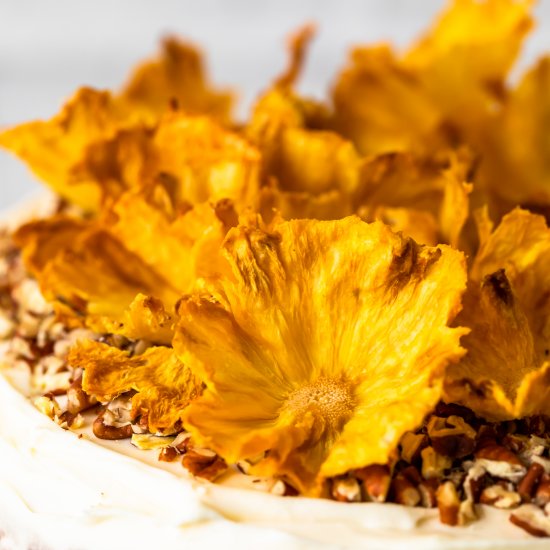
point(61, 490)
point(65, 490)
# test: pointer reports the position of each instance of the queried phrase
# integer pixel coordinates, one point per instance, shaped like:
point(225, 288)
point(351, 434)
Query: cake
point(324, 327)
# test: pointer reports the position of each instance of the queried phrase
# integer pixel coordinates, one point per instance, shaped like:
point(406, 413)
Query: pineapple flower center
point(329, 399)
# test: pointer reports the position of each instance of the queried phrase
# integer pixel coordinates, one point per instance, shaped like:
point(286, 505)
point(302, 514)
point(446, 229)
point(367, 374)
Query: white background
point(48, 48)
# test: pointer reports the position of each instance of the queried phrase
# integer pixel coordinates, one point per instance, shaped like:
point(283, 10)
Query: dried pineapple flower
point(445, 90)
point(309, 171)
point(506, 372)
point(515, 162)
point(163, 385)
point(124, 273)
point(326, 344)
point(55, 149)
point(201, 160)
point(426, 199)
point(176, 77)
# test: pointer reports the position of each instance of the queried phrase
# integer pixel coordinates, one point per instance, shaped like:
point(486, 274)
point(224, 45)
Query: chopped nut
point(7, 326)
point(531, 519)
point(181, 442)
point(500, 497)
point(346, 489)
point(448, 503)
point(434, 464)
point(77, 399)
point(428, 493)
point(501, 462)
point(206, 467)
point(542, 494)
point(282, 489)
point(451, 436)
point(61, 348)
point(411, 445)
point(21, 348)
point(474, 482)
point(47, 406)
point(27, 294)
point(466, 512)
point(207, 453)
point(104, 431)
point(498, 453)
point(168, 454)
point(412, 474)
point(544, 462)
point(452, 409)
point(376, 481)
point(119, 412)
point(528, 484)
point(404, 492)
point(28, 325)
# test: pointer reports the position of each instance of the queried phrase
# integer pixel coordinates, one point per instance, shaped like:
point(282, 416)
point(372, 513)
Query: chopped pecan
point(182, 442)
point(168, 454)
point(404, 492)
point(501, 462)
point(428, 492)
point(528, 485)
point(452, 409)
point(346, 489)
point(376, 480)
point(412, 474)
point(448, 503)
point(200, 464)
point(77, 399)
point(498, 453)
point(542, 494)
point(475, 481)
point(499, 496)
point(434, 464)
point(531, 519)
point(544, 462)
point(283, 489)
point(104, 431)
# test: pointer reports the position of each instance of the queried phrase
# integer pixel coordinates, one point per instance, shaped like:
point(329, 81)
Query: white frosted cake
point(327, 326)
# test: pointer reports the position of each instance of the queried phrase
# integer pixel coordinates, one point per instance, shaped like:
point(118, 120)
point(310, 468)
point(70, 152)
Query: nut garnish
point(376, 481)
point(448, 503)
point(532, 519)
point(105, 431)
point(433, 463)
point(500, 496)
point(204, 466)
point(451, 436)
point(346, 489)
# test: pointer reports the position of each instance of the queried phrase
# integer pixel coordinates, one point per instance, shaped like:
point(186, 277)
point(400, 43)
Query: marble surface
point(48, 49)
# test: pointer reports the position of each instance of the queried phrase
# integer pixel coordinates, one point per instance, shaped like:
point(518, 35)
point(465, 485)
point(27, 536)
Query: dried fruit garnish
point(506, 371)
point(91, 119)
point(323, 348)
point(312, 351)
point(163, 385)
point(124, 274)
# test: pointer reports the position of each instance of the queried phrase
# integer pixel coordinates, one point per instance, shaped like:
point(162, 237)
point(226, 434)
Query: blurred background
point(48, 49)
